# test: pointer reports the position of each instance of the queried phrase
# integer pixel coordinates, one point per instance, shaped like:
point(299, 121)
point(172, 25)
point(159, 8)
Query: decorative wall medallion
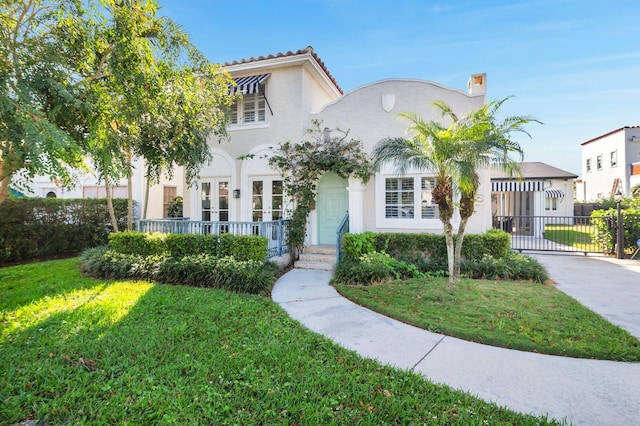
point(388, 102)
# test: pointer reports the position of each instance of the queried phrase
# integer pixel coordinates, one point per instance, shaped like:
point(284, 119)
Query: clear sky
point(574, 65)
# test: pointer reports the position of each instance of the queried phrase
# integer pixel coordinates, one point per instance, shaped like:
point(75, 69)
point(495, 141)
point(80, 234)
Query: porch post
point(538, 211)
point(356, 205)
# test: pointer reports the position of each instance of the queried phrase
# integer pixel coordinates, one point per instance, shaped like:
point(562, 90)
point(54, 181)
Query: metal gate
point(553, 233)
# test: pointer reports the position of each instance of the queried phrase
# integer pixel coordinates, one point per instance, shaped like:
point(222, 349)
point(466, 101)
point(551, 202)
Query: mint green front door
point(332, 204)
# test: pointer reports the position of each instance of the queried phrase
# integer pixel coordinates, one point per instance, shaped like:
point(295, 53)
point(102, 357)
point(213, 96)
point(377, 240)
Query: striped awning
point(248, 85)
point(514, 185)
point(553, 193)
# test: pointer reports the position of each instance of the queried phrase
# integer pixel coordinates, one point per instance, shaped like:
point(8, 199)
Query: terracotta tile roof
point(609, 134)
point(307, 50)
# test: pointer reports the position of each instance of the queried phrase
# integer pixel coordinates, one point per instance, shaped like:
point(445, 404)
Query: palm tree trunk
point(458, 251)
point(112, 214)
point(448, 236)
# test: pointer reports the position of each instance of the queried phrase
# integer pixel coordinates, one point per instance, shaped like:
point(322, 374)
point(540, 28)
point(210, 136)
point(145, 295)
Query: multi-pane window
point(588, 165)
point(277, 200)
point(251, 108)
point(168, 194)
point(429, 209)
point(257, 199)
point(399, 198)
point(402, 198)
point(223, 201)
point(599, 162)
point(551, 204)
point(614, 158)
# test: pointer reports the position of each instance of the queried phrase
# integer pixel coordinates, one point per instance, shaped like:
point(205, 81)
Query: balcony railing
point(275, 231)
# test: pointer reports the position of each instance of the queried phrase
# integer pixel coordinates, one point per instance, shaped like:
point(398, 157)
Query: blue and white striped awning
point(553, 193)
point(514, 185)
point(248, 85)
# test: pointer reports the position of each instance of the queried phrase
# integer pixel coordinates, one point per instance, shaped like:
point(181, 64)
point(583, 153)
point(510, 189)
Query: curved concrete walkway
point(585, 392)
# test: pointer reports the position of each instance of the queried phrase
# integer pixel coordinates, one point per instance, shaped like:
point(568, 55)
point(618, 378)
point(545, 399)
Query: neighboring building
point(87, 186)
point(610, 162)
point(281, 95)
point(543, 191)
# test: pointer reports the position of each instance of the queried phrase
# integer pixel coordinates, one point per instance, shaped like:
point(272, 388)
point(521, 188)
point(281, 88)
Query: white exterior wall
point(597, 184)
point(292, 91)
point(361, 112)
point(564, 204)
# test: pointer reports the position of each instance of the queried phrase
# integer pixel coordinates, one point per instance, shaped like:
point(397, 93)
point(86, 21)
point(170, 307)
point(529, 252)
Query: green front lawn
point(75, 350)
point(578, 236)
point(525, 316)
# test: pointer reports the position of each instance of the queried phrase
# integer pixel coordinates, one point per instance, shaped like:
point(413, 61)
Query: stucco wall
point(597, 184)
point(361, 112)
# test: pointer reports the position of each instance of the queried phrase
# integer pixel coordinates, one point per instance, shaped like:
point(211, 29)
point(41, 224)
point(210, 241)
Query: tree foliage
point(113, 81)
point(41, 104)
point(154, 95)
point(454, 153)
point(302, 164)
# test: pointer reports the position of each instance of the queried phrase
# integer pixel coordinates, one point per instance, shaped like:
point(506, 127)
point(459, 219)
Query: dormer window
point(251, 106)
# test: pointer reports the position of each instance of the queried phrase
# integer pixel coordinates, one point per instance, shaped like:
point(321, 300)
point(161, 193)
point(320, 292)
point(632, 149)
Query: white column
point(539, 211)
point(194, 203)
point(356, 205)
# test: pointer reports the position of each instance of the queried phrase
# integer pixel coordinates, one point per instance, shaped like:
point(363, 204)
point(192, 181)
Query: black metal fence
point(559, 233)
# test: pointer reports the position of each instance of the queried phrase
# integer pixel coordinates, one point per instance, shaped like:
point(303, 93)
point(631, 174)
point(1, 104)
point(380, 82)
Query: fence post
point(620, 230)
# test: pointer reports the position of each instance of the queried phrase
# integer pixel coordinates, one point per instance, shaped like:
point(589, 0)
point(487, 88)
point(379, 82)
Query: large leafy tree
point(455, 153)
point(41, 103)
point(153, 95)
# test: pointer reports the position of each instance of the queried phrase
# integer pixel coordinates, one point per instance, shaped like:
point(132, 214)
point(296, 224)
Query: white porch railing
point(275, 231)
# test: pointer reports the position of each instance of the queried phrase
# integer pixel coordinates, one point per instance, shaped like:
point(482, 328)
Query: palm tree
point(454, 154)
point(635, 191)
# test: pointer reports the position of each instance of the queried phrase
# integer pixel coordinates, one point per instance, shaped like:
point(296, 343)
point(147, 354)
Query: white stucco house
point(610, 162)
point(281, 95)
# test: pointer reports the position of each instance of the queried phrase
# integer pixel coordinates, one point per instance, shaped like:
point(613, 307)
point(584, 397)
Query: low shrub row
point(370, 258)
point(420, 248)
point(373, 268)
point(200, 270)
point(377, 267)
point(32, 228)
point(240, 247)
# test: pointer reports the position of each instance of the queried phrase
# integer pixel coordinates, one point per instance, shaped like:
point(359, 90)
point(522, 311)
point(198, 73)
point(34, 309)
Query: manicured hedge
point(241, 247)
point(605, 230)
point(200, 270)
point(371, 258)
point(33, 228)
point(426, 247)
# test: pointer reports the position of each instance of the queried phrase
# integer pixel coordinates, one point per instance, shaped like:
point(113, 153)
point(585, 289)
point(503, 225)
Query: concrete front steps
point(322, 257)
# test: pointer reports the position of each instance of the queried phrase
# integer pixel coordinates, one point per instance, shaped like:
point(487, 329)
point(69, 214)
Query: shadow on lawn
point(107, 363)
point(29, 283)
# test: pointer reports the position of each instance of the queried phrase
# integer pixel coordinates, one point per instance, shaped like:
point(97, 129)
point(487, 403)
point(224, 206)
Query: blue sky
point(574, 65)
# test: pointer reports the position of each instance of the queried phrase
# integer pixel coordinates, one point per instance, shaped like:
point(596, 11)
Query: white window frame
point(551, 204)
point(599, 162)
point(614, 158)
point(244, 104)
point(589, 168)
point(415, 222)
